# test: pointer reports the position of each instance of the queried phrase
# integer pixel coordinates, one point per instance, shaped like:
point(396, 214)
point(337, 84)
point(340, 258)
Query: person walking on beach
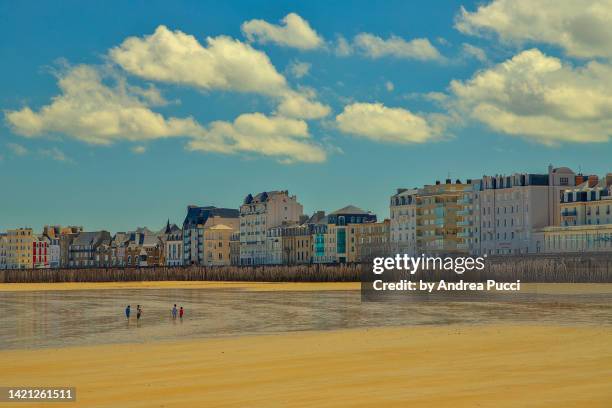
point(138, 312)
point(127, 312)
point(174, 311)
point(181, 312)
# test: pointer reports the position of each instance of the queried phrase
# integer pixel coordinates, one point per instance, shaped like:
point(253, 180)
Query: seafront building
point(3, 250)
point(235, 248)
point(586, 219)
point(82, 251)
point(173, 245)
point(217, 245)
point(197, 221)
point(513, 207)
point(40, 252)
point(373, 240)
point(438, 210)
point(402, 224)
point(258, 214)
point(522, 213)
point(340, 239)
point(19, 252)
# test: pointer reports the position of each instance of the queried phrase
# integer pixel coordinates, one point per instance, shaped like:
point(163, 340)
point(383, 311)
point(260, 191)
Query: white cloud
point(302, 105)
point(92, 112)
point(176, 57)
point(540, 98)
point(343, 48)
point(139, 149)
point(294, 32)
point(581, 28)
point(56, 154)
point(299, 69)
point(472, 51)
point(378, 122)
point(283, 138)
point(17, 149)
point(377, 47)
point(225, 64)
point(389, 86)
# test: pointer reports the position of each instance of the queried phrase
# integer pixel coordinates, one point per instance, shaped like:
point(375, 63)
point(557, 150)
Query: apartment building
point(112, 253)
point(468, 218)
point(275, 252)
point(173, 245)
point(586, 219)
point(513, 207)
point(83, 249)
point(19, 244)
point(235, 248)
point(40, 252)
point(3, 250)
point(59, 239)
point(144, 247)
point(373, 240)
point(439, 209)
point(197, 221)
point(341, 235)
point(217, 245)
point(402, 224)
point(258, 214)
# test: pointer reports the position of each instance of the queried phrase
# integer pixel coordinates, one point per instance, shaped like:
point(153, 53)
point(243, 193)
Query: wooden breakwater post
point(570, 268)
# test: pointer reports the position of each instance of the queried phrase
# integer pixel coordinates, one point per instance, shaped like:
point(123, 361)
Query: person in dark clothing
point(138, 312)
point(127, 312)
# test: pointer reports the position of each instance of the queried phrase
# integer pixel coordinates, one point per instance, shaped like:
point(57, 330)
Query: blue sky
point(386, 115)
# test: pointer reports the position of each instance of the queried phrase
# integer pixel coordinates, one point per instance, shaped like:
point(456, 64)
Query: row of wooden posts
point(593, 268)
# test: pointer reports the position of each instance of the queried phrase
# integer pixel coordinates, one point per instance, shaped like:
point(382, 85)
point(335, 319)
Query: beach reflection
point(86, 317)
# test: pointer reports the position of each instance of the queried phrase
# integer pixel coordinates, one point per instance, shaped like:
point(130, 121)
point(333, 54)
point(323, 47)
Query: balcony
point(465, 234)
point(567, 213)
point(464, 223)
point(465, 212)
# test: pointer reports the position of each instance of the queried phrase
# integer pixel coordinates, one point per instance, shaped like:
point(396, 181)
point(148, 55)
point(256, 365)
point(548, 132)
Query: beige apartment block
point(19, 248)
point(259, 213)
point(373, 240)
point(217, 245)
point(438, 211)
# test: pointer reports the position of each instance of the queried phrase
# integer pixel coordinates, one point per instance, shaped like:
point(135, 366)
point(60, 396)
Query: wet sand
point(253, 286)
point(550, 288)
point(450, 366)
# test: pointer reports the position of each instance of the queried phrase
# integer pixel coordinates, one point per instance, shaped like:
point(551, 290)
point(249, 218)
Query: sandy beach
point(551, 288)
point(253, 286)
point(452, 366)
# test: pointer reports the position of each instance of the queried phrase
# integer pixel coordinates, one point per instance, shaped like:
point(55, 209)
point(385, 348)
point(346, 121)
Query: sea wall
point(585, 268)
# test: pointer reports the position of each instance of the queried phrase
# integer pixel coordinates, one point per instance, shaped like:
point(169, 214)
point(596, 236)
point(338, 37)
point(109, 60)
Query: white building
point(513, 207)
point(274, 246)
point(173, 245)
point(403, 221)
point(586, 219)
point(258, 214)
point(3, 250)
point(54, 251)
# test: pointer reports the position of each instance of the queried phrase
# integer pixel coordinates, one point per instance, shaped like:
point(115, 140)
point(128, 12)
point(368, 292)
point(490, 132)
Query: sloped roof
point(199, 215)
point(350, 209)
point(90, 238)
point(220, 227)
